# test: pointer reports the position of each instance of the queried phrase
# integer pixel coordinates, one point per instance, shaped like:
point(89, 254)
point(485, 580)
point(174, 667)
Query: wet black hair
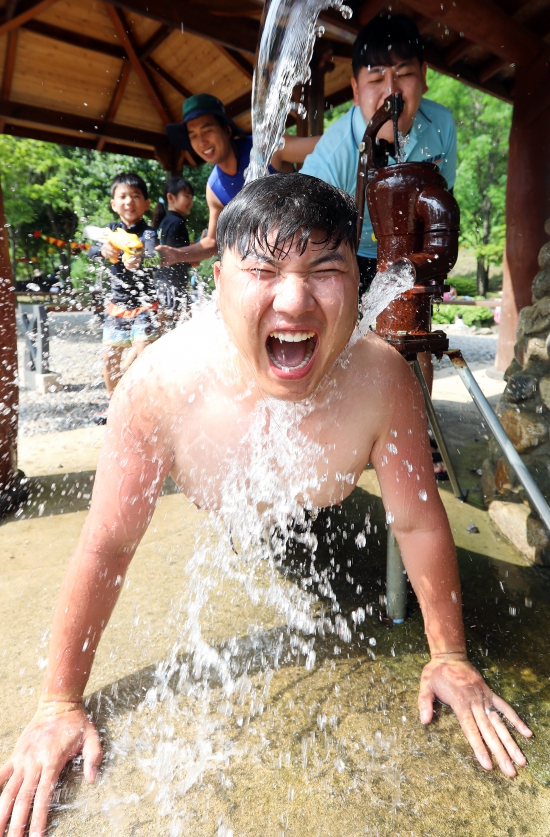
point(174, 185)
point(385, 41)
point(279, 211)
point(129, 178)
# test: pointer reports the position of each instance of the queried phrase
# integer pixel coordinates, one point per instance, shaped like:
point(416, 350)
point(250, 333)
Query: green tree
point(57, 189)
point(483, 127)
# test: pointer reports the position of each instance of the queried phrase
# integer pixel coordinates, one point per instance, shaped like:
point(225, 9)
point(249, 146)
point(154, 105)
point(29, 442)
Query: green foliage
point(483, 127)
point(464, 285)
point(470, 314)
point(56, 190)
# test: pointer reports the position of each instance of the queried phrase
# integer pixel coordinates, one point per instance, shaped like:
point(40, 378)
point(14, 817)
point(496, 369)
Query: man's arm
point(129, 477)
point(203, 249)
point(402, 459)
point(295, 150)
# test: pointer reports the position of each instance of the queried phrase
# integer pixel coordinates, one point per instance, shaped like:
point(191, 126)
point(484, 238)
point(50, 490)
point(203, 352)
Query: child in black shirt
point(168, 220)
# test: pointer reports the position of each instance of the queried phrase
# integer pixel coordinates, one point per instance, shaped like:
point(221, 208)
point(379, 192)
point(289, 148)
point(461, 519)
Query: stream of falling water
point(285, 51)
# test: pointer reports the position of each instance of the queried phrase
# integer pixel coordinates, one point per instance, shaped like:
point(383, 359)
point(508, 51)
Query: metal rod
point(396, 581)
point(436, 428)
point(531, 488)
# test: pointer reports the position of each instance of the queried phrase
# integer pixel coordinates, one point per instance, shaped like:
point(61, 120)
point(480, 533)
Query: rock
point(537, 533)
point(544, 390)
point(520, 387)
point(513, 521)
point(531, 349)
point(472, 529)
point(505, 479)
point(539, 468)
point(515, 366)
point(534, 318)
point(547, 226)
point(524, 430)
point(541, 284)
point(544, 255)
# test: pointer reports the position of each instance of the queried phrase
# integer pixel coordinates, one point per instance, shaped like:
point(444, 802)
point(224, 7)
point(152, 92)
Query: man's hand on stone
point(58, 732)
point(458, 684)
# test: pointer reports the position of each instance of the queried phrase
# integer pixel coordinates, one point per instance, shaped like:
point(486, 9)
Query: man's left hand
point(458, 684)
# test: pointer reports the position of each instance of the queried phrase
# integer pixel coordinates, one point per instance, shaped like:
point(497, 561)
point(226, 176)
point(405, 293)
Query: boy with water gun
point(130, 316)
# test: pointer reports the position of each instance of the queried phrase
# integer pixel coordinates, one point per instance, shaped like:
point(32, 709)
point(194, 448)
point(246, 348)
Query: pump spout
point(416, 221)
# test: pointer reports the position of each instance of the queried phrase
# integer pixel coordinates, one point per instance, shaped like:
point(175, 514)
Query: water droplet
point(423, 495)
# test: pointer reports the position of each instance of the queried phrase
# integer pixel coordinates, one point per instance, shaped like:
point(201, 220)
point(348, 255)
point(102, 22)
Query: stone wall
point(524, 412)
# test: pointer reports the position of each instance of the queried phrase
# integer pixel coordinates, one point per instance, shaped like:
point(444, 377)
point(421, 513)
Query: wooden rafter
point(23, 17)
point(483, 22)
point(240, 34)
point(238, 107)
point(69, 36)
point(11, 7)
point(156, 39)
point(121, 28)
point(154, 65)
point(238, 60)
point(458, 50)
point(45, 135)
point(60, 120)
point(117, 98)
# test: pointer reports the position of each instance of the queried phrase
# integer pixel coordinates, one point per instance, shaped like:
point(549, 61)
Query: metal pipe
point(457, 490)
point(396, 581)
point(531, 488)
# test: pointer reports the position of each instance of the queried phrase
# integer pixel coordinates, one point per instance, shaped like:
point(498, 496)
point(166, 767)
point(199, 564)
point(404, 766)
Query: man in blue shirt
point(388, 57)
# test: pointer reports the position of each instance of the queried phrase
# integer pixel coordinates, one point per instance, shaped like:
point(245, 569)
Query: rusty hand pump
point(416, 222)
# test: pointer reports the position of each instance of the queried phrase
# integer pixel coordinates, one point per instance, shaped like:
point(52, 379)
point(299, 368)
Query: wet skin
point(374, 84)
point(189, 419)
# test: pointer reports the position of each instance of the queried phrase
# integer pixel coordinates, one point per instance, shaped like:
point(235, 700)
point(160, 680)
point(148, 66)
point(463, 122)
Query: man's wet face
point(376, 83)
point(291, 314)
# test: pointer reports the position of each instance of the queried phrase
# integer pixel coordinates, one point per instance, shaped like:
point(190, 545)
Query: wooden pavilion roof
point(110, 75)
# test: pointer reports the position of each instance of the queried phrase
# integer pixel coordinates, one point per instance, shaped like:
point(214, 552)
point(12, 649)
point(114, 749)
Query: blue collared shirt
point(432, 138)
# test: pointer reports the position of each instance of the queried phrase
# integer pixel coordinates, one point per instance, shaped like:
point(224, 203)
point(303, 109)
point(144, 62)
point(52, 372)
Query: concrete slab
point(333, 748)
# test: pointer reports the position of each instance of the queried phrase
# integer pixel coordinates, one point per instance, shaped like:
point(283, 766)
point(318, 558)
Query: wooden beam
point(238, 33)
point(78, 141)
point(9, 64)
point(154, 41)
point(464, 72)
point(239, 107)
point(11, 7)
point(491, 68)
point(44, 117)
point(183, 91)
point(456, 51)
point(23, 17)
point(369, 10)
point(484, 22)
point(238, 60)
point(120, 25)
point(117, 97)
point(336, 28)
point(69, 36)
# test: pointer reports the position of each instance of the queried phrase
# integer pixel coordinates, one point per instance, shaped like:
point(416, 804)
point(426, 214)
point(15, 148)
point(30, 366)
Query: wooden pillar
point(527, 197)
point(9, 391)
point(320, 65)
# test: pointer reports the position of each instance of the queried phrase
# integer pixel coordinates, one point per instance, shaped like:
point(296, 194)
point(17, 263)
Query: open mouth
point(291, 352)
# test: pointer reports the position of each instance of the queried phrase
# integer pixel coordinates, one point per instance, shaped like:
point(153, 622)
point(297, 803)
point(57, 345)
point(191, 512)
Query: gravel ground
point(75, 353)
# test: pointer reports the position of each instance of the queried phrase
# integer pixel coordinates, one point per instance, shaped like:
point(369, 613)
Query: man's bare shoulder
point(377, 364)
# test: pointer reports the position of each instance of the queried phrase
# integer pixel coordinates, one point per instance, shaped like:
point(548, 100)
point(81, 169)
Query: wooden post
point(527, 197)
point(9, 391)
point(320, 64)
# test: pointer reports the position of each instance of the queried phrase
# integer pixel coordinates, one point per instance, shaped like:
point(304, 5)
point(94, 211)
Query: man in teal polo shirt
point(388, 57)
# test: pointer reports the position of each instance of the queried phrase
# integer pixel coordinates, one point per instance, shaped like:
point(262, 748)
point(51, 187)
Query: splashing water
point(286, 48)
point(386, 286)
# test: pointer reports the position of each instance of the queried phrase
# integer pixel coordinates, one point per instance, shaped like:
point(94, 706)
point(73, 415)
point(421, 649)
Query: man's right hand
point(57, 733)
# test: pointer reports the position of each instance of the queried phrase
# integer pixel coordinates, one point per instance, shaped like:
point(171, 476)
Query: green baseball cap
point(198, 105)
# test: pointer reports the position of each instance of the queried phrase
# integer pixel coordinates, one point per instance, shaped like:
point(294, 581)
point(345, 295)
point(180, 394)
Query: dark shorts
point(367, 272)
point(172, 295)
point(123, 332)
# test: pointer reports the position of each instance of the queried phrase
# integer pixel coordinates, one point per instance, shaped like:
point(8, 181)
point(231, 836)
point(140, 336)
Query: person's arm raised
point(402, 459)
point(295, 150)
point(130, 474)
point(203, 249)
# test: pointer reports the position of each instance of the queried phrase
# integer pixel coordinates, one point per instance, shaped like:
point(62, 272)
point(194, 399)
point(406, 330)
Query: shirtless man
point(287, 287)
